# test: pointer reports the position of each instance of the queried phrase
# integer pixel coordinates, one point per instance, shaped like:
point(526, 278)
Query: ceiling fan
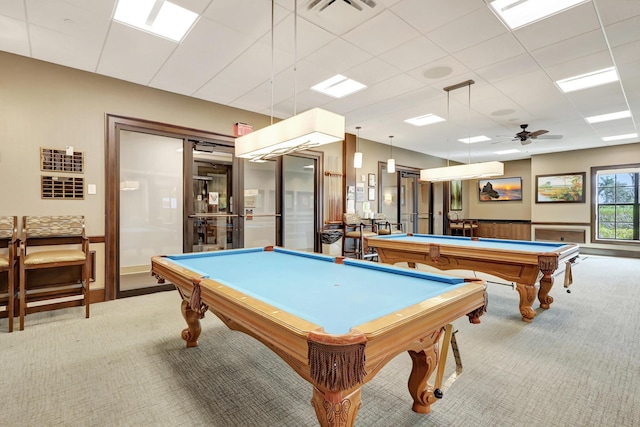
point(353, 3)
point(525, 137)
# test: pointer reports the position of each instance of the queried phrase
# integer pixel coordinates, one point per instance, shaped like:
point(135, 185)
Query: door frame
point(114, 125)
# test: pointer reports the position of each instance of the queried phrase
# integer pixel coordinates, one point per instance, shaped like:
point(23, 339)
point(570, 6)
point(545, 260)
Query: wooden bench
point(40, 249)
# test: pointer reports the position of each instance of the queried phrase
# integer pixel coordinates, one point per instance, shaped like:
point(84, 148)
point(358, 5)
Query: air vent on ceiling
point(321, 5)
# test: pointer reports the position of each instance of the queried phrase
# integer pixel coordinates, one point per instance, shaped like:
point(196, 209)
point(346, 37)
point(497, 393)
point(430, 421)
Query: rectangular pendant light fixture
point(303, 131)
point(462, 172)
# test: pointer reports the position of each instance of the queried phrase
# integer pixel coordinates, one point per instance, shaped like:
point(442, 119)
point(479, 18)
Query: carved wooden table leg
point(191, 334)
point(547, 265)
point(333, 409)
point(527, 296)
point(424, 363)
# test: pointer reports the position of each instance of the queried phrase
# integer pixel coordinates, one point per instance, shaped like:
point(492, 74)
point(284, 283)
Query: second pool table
point(335, 321)
point(522, 262)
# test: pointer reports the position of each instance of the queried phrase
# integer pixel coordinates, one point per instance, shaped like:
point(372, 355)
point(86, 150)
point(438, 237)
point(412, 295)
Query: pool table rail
point(319, 357)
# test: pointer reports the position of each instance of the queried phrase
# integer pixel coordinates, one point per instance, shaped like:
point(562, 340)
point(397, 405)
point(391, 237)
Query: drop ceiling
point(405, 51)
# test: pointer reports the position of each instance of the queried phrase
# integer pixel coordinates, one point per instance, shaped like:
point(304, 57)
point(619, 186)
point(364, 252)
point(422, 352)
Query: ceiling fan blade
point(549, 137)
point(538, 133)
point(525, 142)
point(326, 5)
point(369, 3)
point(352, 3)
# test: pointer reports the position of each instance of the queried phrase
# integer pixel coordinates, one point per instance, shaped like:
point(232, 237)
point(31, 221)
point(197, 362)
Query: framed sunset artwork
point(500, 189)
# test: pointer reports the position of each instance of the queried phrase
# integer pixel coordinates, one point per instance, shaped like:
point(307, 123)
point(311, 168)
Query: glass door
point(211, 220)
point(409, 201)
point(260, 211)
point(425, 210)
point(299, 207)
point(151, 206)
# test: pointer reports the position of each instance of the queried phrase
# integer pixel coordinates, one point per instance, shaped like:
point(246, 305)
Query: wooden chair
point(384, 227)
point(9, 240)
point(459, 224)
point(355, 231)
point(39, 269)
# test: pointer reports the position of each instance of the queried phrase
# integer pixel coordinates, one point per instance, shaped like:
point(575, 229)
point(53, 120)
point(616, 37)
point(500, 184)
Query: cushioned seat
point(384, 227)
point(460, 225)
point(355, 232)
point(39, 251)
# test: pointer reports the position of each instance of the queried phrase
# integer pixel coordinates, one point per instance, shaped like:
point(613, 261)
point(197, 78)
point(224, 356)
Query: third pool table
point(522, 262)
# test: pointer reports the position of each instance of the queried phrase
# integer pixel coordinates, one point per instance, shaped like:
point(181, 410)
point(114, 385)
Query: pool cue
point(437, 392)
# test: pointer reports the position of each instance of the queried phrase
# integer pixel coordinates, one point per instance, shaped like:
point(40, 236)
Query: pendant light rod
point(357, 156)
point(459, 85)
point(463, 171)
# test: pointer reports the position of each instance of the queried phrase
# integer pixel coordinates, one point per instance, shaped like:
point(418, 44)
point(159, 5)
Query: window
point(617, 206)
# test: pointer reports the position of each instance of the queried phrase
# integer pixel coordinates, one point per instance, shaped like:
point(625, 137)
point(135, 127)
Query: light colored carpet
point(577, 364)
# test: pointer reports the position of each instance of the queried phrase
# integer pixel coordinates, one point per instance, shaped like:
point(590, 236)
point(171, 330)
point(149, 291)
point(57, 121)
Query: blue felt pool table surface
point(316, 288)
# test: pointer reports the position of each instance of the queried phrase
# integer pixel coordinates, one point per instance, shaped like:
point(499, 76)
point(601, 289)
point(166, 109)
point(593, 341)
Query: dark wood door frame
point(114, 125)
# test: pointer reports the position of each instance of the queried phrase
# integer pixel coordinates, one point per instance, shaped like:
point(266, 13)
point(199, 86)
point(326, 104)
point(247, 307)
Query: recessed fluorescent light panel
point(619, 137)
point(588, 80)
point(518, 13)
point(474, 139)
point(511, 151)
point(338, 86)
point(427, 119)
point(608, 117)
point(158, 17)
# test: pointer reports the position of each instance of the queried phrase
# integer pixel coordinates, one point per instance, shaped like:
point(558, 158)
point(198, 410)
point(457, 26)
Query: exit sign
point(240, 129)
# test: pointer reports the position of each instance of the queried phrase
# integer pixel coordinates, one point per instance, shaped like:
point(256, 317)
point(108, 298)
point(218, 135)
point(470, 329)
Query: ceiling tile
point(469, 30)
point(133, 55)
point(427, 15)
point(381, 33)
point(500, 48)
point(414, 53)
point(14, 37)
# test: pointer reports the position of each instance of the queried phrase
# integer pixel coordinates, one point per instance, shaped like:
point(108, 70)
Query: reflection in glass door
point(425, 213)
point(409, 201)
point(211, 219)
point(299, 203)
point(151, 205)
point(259, 204)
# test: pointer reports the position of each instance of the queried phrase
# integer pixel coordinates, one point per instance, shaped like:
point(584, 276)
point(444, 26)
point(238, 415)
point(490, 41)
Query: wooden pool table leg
point(191, 334)
point(334, 409)
point(424, 363)
point(527, 296)
point(546, 283)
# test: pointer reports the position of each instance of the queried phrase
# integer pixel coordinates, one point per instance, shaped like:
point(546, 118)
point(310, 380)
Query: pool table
point(522, 262)
point(335, 321)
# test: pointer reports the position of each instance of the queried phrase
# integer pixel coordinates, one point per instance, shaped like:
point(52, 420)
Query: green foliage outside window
point(618, 206)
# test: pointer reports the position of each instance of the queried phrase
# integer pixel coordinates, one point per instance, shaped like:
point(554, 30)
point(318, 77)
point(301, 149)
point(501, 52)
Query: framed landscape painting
point(560, 188)
point(500, 189)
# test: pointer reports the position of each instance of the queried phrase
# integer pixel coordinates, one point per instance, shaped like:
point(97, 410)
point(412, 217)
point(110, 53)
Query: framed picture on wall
point(372, 193)
point(500, 189)
point(560, 188)
point(455, 187)
point(372, 180)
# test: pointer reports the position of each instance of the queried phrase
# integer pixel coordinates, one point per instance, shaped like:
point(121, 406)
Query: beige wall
point(578, 161)
point(516, 210)
point(46, 105)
